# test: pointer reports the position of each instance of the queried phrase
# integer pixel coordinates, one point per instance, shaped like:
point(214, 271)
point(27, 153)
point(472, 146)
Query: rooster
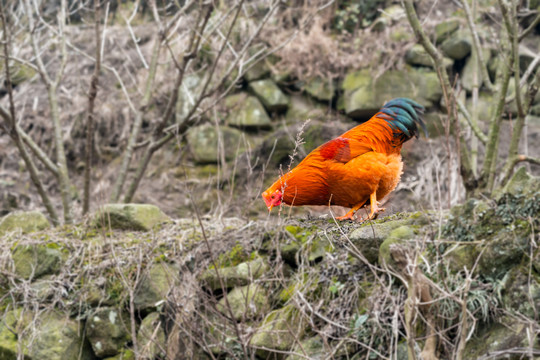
point(363, 164)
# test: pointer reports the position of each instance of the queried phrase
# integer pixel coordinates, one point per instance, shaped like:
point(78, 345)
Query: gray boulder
point(457, 46)
point(208, 143)
point(246, 112)
point(34, 261)
point(363, 96)
point(270, 95)
point(139, 217)
point(26, 221)
point(156, 285)
point(108, 331)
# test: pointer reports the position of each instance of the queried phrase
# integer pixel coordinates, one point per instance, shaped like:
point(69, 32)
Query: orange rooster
point(363, 164)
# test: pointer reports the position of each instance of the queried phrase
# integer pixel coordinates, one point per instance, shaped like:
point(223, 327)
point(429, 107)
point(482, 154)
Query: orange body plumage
point(355, 169)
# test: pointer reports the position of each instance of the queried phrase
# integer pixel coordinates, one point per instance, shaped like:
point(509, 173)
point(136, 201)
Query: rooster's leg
point(350, 214)
point(375, 209)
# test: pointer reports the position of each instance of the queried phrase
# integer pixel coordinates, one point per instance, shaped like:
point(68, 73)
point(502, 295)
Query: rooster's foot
point(348, 216)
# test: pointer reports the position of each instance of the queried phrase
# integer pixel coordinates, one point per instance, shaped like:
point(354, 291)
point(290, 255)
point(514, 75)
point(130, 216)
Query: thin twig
point(94, 81)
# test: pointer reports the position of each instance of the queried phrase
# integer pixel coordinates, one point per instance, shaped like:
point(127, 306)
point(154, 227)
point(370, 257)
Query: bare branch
point(90, 113)
point(10, 119)
point(38, 152)
point(531, 27)
point(474, 126)
point(126, 159)
point(477, 48)
point(448, 92)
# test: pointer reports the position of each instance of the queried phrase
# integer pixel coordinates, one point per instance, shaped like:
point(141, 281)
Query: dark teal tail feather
point(404, 115)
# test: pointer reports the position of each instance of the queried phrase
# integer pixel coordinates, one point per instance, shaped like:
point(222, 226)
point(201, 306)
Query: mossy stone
point(34, 261)
point(141, 217)
point(12, 325)
point(312, 348)
point(418, 56)
point(246, 112)
point(301, 109)
point(502, 253)
point(279, 330)
point(461, 257)
point(521, 182)
point(320, 89)
point(500, 336)
point(107, 331)
point(232, 276)
point(189, 90)
point(57, 337)
point(246, 302)
point(270, 95)
point(522, 292)
point(457, 46)
point(155, 285)
point(369, 237)
point(363, 96)
point(26, 221)
point(151, 337)
point(467, 73)
point(257, 71)
point(209, 144)
point(445, 28)
point(395, 244)
point(124, 354)
point(484, 105)
point(18, 72)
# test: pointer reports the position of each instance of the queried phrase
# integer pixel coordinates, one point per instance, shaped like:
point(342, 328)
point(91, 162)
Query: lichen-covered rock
point(124, 354)
point(151, 337)
point(393, 249)
point(246, 302)
point(312, 348)
point(19, 72)
point(246, 112)
point(500, 336)
point(26, 221)
point(187, 95)
point(301, 109)
point(270, 95)
point(388, 16)
point(369, 237)
point(54, 336)
point(107, 331)
point(257, 71)
point(34, 261)
point(418, 56)
point(484, 105)
point(279, 330)
point(467, 80)
point(232, 276)
point(319, 88)
point(521, 291)
point(444, 29)
point(156, 285)
point(461, 257)
point(141, 217)
point(12, 325)
point(521, 182)
point(313, 247)
point(209, 144)
point(363, 96)
point(457, 46)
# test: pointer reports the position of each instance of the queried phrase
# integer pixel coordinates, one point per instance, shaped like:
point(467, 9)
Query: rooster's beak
point(270, 208)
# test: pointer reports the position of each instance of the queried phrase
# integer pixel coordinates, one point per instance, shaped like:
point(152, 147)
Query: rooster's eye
point(273, 196)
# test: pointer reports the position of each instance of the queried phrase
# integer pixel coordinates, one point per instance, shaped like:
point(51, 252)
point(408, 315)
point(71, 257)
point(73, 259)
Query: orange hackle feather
point(355, 169)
